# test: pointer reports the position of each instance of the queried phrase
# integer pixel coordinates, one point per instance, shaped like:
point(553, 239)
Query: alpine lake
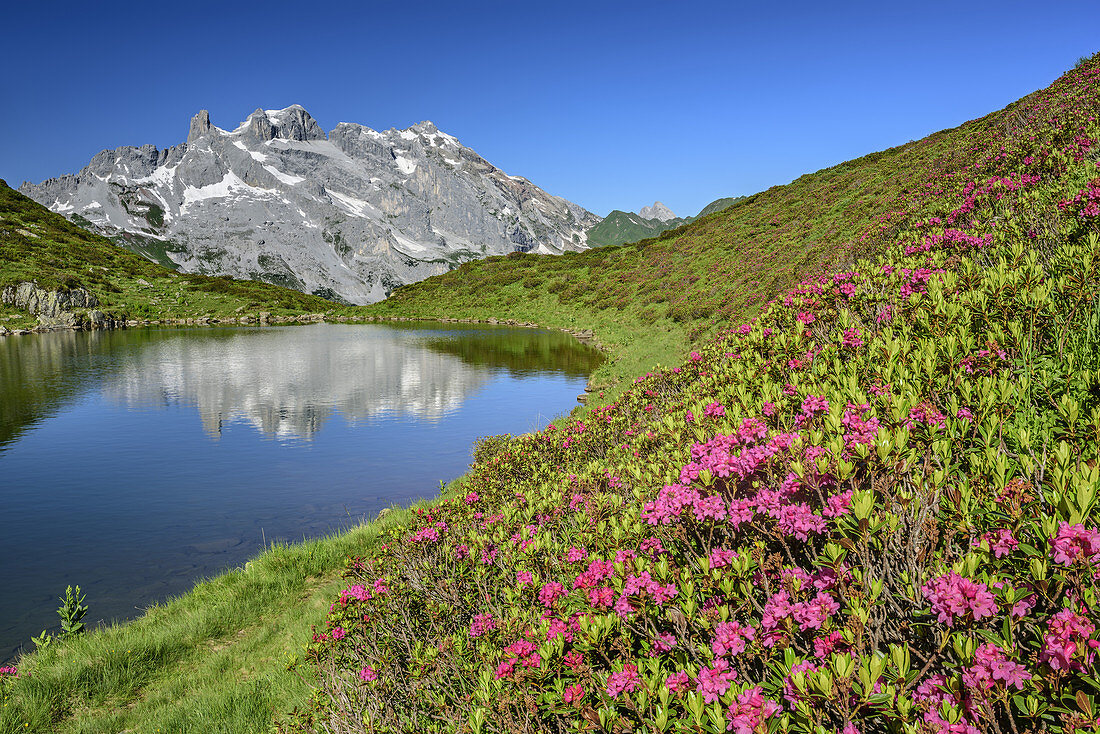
point(134, 463)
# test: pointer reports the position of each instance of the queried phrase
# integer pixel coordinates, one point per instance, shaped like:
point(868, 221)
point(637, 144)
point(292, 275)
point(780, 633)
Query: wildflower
point(678, 682)
point(551, 592)
point(721, 557)
point(482, 623)
point(576, 554)
point(811, 615)
point(992, 669)
point(1067, 644)
point(954, 596)
point(1001, 542)
point(1074, 543)
point(748, 713)
point(573, 694)
point(368, 674)
point(731, 638)
point(625, 681)
point(714, 682)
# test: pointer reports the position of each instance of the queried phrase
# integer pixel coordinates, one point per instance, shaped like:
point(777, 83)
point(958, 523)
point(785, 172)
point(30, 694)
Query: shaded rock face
point(351, 214)
point(55, 308)
point(41, 302)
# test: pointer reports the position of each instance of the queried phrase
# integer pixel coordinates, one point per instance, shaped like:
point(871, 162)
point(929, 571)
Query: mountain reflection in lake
point(136, 462)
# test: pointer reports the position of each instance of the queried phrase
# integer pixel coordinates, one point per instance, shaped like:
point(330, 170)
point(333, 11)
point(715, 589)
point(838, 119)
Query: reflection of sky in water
point(107, 466)
point(288, 385)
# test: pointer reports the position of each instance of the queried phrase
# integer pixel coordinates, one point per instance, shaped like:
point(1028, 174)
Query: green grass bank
point(997, 269)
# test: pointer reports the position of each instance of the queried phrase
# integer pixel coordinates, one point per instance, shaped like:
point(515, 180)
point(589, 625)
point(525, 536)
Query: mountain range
point(619, 227)
point(348, 215)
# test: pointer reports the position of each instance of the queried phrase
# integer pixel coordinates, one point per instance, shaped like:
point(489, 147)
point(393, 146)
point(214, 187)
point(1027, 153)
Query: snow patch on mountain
point(351, 213)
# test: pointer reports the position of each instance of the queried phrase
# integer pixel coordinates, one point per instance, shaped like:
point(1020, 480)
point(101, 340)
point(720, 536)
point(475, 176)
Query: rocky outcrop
point(349, 215)
point(57, 308)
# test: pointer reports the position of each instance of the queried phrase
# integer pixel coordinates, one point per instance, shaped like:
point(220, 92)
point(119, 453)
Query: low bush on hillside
point(871, 509)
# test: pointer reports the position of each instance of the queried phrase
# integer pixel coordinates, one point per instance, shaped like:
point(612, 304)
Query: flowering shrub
point(873, 508)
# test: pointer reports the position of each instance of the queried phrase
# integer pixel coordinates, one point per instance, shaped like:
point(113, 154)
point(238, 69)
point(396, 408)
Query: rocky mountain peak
point(200, 125)
point(294, 123)
point(658, 211)
point(290, 123)
point(349, 215)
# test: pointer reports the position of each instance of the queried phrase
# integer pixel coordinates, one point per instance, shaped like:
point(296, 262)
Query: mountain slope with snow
point(349, 215)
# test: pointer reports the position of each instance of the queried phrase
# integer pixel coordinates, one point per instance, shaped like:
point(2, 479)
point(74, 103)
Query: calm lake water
point(135, 463)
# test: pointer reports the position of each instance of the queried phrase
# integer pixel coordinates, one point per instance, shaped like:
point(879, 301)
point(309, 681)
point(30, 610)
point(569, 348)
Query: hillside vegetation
point(619, 227)
point(869, 505)
point(40, 246)
point(694, 280)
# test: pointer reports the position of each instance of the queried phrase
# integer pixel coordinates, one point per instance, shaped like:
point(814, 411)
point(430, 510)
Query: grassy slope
point(694, 280)
point(881, 431)
point(620, 227)
point(38, 245)
point(217, 659)
point(650, 299)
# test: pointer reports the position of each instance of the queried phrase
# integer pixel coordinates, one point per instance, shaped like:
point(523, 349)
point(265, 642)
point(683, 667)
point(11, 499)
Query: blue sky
point(609, 104)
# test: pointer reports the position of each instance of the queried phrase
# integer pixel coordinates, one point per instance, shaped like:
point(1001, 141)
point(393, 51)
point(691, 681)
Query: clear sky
point(609, 104)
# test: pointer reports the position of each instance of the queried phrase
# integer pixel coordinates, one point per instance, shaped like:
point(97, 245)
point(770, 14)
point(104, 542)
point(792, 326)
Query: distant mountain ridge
point(349, 215)
point(619, 227)
point(658, 211)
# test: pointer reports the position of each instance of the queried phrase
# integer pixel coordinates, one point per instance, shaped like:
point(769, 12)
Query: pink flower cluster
point(1067, 644)
point(1075, 543)
point(731, 638)
point(749, 712)
point(521, 652)
point(859, 429)
point(551, 592)
point(811, 614)
point(954, 596)
point(992, 669)
point(625, 681)
point(1001, 542)
point(1086, 201)
point(713, 682)
point(358, 591)
point(482, 623)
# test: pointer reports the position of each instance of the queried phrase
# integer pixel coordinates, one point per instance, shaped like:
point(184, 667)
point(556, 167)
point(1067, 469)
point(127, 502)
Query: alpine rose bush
point(872, 508)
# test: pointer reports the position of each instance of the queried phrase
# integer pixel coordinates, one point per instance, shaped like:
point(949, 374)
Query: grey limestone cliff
point(658, 211)
point(349, 215)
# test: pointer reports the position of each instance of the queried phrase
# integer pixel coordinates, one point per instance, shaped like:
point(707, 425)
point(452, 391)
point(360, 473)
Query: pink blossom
point(721, 557)
point(815, 613)
point(748, 713)
point(714, 682)
point(625, 681)
point(550, 592)
point(731, 638)
point(573, 694)
point(954, 596)
point(1075, 543)
point(482, 623)
point(576, 554)
point(992, 669)
point(678, 682)
point(1067, 644)
point(368, 674)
